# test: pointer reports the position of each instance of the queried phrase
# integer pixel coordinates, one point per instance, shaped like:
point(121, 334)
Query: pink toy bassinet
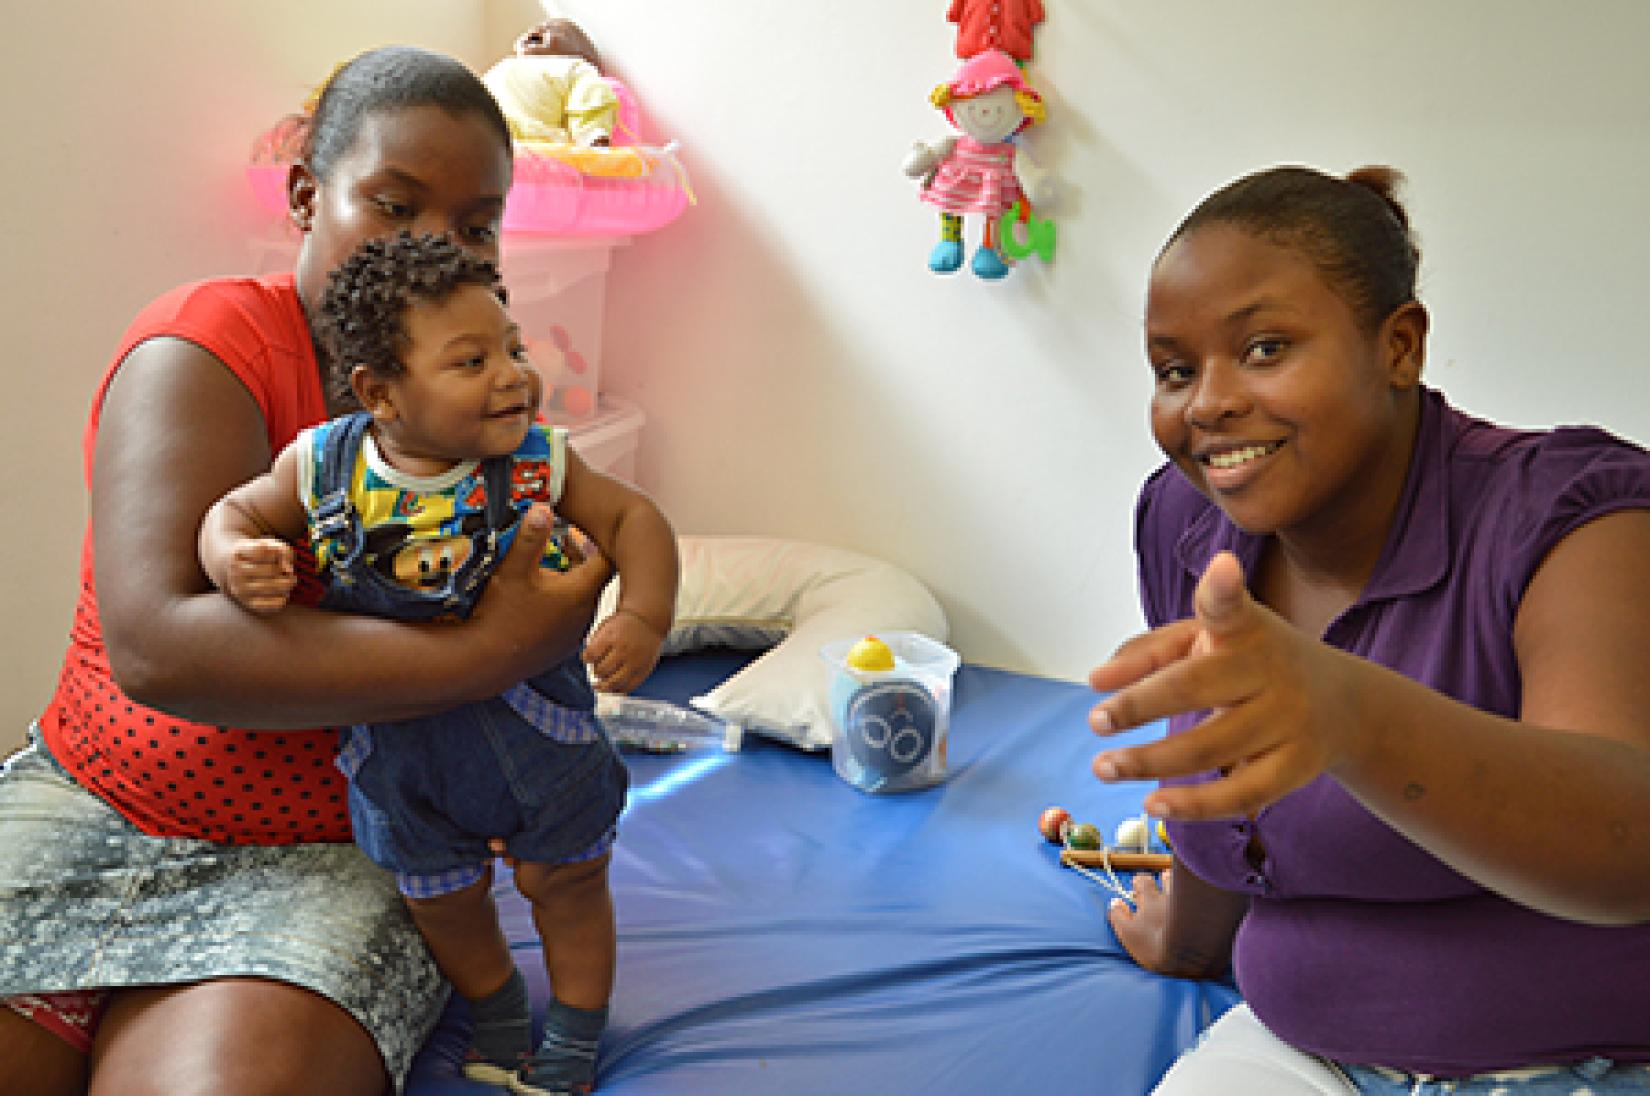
point(549, 197)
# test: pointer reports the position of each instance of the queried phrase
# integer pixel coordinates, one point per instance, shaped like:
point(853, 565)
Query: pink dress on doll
point(975, 178)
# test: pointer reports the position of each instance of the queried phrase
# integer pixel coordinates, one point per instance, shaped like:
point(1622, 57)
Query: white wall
point(807, 376)
point(803, 373)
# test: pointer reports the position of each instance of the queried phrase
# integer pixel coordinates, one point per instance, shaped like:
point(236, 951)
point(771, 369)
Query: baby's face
point(468, 390)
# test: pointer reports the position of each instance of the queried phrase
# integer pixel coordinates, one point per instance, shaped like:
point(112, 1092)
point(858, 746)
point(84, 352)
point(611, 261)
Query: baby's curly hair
point(366, 300)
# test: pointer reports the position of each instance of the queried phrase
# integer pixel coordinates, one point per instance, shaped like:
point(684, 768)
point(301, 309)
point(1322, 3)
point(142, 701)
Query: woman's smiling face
point(1269, 394)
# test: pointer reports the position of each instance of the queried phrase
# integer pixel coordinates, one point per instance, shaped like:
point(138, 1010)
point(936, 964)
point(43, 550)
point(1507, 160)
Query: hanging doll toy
point(982, 170)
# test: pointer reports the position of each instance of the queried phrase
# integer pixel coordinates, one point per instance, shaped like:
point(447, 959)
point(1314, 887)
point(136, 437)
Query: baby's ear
point(372, 392)
point(300, 196)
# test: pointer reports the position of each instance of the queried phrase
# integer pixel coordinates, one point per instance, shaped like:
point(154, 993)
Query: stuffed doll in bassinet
point(552, 91)
point(981, 171)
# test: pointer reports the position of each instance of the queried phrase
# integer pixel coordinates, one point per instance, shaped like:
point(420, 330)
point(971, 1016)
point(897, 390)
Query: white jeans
point(1238, 1056)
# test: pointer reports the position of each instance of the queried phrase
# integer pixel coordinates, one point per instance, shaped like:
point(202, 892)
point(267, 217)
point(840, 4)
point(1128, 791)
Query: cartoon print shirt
point(418, 528)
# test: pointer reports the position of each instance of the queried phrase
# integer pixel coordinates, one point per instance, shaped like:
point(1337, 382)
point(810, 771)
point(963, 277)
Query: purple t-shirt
point(1360, 946)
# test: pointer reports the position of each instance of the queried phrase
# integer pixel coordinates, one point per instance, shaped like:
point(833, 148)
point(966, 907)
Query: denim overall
point(531, 766)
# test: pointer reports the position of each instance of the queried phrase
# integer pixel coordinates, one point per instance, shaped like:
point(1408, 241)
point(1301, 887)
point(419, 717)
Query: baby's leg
point(573, 911)
point(462, 931)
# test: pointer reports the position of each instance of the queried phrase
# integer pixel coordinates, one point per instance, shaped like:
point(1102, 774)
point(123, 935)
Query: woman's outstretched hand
point(1279, 703)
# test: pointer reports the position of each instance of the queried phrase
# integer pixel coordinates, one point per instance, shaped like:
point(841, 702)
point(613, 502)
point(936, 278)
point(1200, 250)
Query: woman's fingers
point(1257, 768)
point(1242, 793)
point(1193, 684)
point(1172, 669)
point(522, 560)
point(1144, 655)
point(1221, 601)
point(1223, 740)
point(1140, 920)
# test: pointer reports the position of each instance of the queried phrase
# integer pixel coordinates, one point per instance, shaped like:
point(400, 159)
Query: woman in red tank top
point(178, 709)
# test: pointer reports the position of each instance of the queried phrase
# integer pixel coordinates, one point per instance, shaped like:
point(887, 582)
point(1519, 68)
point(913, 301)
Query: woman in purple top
point(1404, 655)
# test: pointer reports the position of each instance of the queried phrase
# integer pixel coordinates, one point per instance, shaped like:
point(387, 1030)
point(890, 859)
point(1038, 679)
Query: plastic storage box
point(558, 294)
point(607, 440)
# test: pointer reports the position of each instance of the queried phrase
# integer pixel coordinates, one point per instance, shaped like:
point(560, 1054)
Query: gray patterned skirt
point(87, 901)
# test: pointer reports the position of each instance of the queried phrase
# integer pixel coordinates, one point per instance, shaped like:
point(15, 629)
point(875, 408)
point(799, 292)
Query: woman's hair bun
point(1385, 182)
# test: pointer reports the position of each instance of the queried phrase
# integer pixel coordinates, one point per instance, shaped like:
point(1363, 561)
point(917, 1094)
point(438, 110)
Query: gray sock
point(566, 1058)
point(503, 1031)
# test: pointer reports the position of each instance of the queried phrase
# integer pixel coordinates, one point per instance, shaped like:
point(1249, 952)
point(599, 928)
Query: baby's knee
point(547, 884)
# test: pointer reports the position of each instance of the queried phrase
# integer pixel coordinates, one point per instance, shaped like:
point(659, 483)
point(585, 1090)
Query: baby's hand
point(261, 574)
point(623, 651)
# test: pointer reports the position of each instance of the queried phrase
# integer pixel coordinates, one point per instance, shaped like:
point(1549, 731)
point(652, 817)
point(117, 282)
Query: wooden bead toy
point(1084, 835)
point(1053, 823)
point(1132, 833)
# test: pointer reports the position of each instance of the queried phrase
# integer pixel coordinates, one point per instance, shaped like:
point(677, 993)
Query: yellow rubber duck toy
point(870, 655)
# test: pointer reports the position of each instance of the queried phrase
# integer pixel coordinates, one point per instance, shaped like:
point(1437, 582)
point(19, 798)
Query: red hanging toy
point(995, 24)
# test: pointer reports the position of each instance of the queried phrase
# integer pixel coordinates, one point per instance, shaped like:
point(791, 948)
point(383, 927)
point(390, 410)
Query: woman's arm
point(1552, 810)
point(178, 430)
point(1180, 926)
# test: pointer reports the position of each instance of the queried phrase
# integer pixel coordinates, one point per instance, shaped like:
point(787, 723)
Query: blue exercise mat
point(781, 932)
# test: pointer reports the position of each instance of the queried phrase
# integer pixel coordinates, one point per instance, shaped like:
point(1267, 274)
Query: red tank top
point(168, 776)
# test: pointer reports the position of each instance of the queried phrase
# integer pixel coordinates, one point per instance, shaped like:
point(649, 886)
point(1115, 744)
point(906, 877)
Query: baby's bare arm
point(622, 651)
point(632, 532)
point(245, 539)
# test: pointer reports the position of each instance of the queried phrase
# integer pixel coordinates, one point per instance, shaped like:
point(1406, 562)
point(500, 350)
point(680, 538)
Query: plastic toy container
point(607, 441)
point(889, 725)
point(558, 294)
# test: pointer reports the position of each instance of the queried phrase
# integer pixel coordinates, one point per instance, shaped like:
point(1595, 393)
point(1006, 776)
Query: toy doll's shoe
point(946, 257)
point(989, 265)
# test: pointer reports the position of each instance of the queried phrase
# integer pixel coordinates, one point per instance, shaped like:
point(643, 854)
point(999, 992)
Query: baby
point(408, 504)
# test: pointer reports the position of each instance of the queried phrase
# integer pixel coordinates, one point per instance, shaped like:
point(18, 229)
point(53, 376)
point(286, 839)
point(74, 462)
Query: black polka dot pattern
point(179, 779)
